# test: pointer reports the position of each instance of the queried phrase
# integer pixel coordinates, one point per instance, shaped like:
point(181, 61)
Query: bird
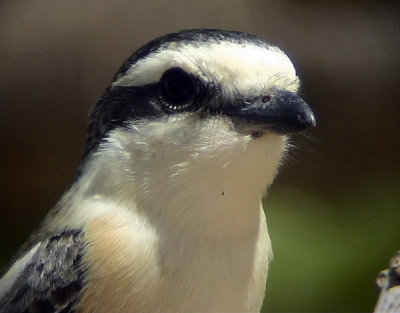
point(165, 212)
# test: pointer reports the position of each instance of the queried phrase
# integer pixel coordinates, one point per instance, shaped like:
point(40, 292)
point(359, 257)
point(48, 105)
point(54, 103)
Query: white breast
point(134, 269)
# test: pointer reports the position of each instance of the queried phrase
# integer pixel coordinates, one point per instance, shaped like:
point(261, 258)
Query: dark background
point(334, 211)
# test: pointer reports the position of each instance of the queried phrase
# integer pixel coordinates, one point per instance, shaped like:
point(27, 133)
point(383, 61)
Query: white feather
point(172, 211)
point(246, 68)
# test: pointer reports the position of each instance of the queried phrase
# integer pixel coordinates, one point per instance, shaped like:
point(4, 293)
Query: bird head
point(207, 74)
point(208, 97)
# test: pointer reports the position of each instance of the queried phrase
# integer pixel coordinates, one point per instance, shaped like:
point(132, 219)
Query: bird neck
point(195, 189)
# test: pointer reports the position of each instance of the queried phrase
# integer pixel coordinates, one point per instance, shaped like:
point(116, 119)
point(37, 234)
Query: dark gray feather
point(52, 279)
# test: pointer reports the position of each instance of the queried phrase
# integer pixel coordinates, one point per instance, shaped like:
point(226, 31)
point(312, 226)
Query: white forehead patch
point(243, 67)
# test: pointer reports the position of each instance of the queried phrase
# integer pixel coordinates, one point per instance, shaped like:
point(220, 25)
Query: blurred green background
point(334, 211)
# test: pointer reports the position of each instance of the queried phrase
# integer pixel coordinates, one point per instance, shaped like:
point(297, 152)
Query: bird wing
point(47, 278)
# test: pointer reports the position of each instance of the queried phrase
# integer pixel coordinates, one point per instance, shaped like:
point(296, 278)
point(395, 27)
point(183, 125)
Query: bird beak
point(280, 110)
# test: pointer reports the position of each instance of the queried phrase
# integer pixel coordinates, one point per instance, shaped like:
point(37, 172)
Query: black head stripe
point(117, 106)
point(122, 104)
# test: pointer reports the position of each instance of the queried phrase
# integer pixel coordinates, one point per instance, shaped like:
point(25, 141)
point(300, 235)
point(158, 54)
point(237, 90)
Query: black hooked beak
point(280, 110)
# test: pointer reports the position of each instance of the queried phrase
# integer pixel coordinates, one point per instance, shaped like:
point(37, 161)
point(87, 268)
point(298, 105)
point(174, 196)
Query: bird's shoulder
point(46, 276)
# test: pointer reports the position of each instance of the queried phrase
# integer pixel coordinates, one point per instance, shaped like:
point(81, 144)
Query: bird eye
point(177, 87)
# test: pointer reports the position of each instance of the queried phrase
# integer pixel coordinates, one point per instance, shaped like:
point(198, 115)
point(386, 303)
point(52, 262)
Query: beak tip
point(298, 123)
point(310, 121)
point(306, 118)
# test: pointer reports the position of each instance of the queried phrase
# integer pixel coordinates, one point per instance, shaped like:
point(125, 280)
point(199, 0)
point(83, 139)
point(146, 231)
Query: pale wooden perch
point(389, 284)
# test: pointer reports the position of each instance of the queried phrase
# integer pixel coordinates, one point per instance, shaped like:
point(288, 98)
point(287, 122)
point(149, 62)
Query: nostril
point(265, 98)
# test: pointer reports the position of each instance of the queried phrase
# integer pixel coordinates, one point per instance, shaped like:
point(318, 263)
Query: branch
point(389, 283)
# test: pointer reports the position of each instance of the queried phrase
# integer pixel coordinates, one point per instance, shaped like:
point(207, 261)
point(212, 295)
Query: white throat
point(195, 174)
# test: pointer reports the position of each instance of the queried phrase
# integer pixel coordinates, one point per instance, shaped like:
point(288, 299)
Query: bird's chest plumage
point(146, 271)
point(217, 276)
